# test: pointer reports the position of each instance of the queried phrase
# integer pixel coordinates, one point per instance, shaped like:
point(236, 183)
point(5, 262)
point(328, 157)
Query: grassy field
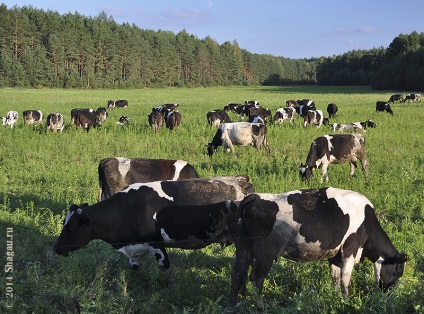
point(42, 174)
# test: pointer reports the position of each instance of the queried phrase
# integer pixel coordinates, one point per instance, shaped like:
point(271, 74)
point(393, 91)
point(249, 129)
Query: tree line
point(44, 48)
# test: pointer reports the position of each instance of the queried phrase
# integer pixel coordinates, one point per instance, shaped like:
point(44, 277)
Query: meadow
point(42, 174)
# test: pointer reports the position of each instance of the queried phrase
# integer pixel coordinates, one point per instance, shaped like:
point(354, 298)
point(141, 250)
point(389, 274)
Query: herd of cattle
point(148, 205)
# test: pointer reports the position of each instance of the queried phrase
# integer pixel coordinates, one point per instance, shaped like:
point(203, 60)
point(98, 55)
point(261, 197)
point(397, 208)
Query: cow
point(166, 108)
point(396, 97)
point(332, 110)
point(32, 116)
point(173, 120)
point(102, 113)
point(264, 113)
point(55, 122)
point(216, 117)
point(282, 114)
point(10, 119)
point(291, 103)
point(239, 133)
point(123, 120)
point(116, 173)
point(310, 225)
point(256, 119)
point(368, 124)
point(85, 118)
point(132, 222)
point(156, 120)
point(412, 97)
point(354, 127)
point(243, 110)
point(383, 106)
point(335, 149)
point(123, 103)
point(305, 102)
point(231, 107)
point(313, 117)
point(302, 110)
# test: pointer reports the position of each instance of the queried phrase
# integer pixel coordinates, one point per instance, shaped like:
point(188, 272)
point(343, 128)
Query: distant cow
point(335, 149)
point(231, 107)
point(156, 120)
point(239, 133)
point(310, 225)
point(305, 102)
point(110, 104)
point(313, 117)
point(412, 97)
point(55, 122)
point(396, 97)
point(133, 223)
point(332, 110)
point(383, 106)
point(116, 173)
point(173, 120)
point(102, 113)
point(303, 109)
point(123, 120)
point(123, 103)
point(288, 113)
point(243, 110)
point(216, 117)
point(291, 103)
point(85, 118)
point(32, 116)
point(264, 113)
point(354, 126)
point(10, 119)
point(166, 108)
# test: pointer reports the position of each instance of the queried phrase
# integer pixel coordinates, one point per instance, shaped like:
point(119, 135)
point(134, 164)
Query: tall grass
point(43, 173)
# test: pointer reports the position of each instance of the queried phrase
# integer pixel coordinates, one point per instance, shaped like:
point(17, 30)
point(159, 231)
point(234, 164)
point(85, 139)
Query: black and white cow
point(302, 110)
point(305, 102)
point(116, 173)
point(288, 113)
point(264, 113)
point(313, 117)
point(156, 120)
point(239, 133)
point(310, 225)
point(243, 110)
point(55, 122)
point(123, 120)
point(166, 108)
point(368, 124)
point(123, 103)
point(32, 116)
point(173, 120)
point(335, 149)
point(231, 107)
point(102, 113)
point(383, 106)
point(353, 127)
point(110, 104)
point(216, 117)
point(396, 97)
point(10, 119)
point(412, 97)
point(332, 110)
point(85, 118)
point(132, 222)
point(256, 119)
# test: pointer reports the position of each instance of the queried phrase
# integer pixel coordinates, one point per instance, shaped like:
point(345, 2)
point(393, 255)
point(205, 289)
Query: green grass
point(42, 174)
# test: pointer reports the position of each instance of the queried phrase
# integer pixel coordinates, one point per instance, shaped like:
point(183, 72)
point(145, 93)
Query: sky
point(293, 29)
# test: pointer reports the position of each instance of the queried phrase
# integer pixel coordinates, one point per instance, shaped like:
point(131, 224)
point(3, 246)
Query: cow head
point(388, 108)
point(389, 270)
point(76, 231)
point(305, 172)
point(210, 149)
point(110, 104)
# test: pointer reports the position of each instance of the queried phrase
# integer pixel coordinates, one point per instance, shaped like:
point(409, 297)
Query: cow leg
point(352, 167)
point(335, 270)
point(346, 273)
point(324, 172)
point(365, 166)
point(259, 273)
point(244, 257)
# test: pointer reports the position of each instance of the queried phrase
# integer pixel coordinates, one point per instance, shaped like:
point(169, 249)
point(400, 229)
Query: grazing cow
point(332, 110)
point(173, 120)
point(349, 128)
point(123, 120)
point(264, 113)
point(368, 124)
point(288, 113)
point(305, 102)
point(166, 108)
point(256, 119)
point(55, 122)
point(32, 116)
point(123, 103)
point(102, 113)
point(412, 97)
point(310, 225)
point(132, 222)
point(313, 117)
point(231, 107)
point(243, 110)
point(218, 116)
point(335, 149)
point(116, 173)
point(85, 118)
point(291, 103)
point(156, 120)
point(383, 106)
point(239, 133)
point(396, 97)
point(302, 110)
point(10, 119)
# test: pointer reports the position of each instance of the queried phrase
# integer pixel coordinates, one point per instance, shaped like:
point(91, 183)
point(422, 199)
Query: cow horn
point(79, 211)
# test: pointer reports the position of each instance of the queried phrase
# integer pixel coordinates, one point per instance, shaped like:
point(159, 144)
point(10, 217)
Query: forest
point(46, 49)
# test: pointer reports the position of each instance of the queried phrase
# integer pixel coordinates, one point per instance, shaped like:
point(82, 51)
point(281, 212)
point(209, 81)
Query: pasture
point(42, 174)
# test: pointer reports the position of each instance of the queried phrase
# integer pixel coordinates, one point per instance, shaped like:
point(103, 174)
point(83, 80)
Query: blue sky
point(292, 29)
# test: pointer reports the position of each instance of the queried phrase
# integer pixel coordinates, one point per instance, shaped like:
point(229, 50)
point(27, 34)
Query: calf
point(10, 119)
point(115, 173)
point(132, 222)
point(239, 133)
point(55, 122)
point(288, 113)
point(313, 117)
point(335, 149)
point(156, 120)
point(216, 117)
point(383, 106)
point(173, 120)
point(310, 225)
point(32, 116)
point(332, 110)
